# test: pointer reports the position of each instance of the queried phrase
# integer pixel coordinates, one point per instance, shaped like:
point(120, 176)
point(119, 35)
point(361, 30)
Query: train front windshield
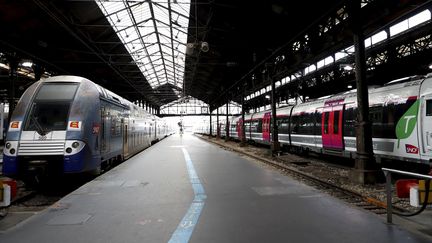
point(50, 108)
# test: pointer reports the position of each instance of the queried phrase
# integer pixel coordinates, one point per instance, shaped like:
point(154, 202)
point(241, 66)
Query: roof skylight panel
point(141, 11)
point(155, 29)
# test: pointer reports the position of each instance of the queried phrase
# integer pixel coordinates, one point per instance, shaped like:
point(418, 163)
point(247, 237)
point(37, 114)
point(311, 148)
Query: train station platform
point(183, 189)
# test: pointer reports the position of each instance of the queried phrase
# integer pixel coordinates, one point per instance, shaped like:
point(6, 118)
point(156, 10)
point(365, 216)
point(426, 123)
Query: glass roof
point(155, 35)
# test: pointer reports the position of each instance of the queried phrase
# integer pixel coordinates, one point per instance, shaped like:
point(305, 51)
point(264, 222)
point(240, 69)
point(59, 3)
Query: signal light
point(14, 124)
point(74, 124)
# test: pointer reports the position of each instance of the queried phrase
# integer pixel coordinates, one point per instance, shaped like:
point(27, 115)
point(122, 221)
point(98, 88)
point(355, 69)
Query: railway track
point(357, 199)
point(39, 197)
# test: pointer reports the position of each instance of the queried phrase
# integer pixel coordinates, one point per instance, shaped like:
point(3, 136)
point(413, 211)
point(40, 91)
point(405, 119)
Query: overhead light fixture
point(190, 48)
point(204, 46)
point(348, 68)
point(27, 64)
point(267, 97)
point(4, 66)
point(349, 86)
point(430, 66)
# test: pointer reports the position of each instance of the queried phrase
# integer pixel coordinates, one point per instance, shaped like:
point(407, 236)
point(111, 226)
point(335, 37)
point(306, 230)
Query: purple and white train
point(68, 124)
point(400, 113)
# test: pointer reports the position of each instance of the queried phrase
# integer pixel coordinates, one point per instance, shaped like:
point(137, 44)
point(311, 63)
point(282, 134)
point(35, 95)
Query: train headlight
point(10, 148)
point(73, 147)
point(75, 144)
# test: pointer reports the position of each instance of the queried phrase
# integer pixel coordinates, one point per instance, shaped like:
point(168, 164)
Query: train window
point(428, 107)
point(247, 126)
point(254, 126)
point(377, 119)
point(294, 124)
point(54, 91)
point(282, 125)
point(326, 122)
point(336, 122)
point(349, 122)
point(45, 117)
point(318, 125)
point(259, 126)
point(305, 123)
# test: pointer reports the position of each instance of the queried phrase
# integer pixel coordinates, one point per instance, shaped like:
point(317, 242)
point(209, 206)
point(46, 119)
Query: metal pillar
point(227, 123)
point(217, 124)
point(243, 132)
point(210, 135)
point(13, 67)
point(365, 167)
point(275, 145)
point(38, 71)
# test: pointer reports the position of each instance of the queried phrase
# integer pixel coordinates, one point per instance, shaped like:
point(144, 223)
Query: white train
point(400, 112)
point(68, 124)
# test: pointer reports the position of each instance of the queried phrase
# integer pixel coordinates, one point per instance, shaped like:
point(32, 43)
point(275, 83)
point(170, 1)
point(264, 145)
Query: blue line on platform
point(185, 228)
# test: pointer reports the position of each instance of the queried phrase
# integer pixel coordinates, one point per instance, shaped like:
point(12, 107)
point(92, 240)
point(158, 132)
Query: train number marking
point(96, 128)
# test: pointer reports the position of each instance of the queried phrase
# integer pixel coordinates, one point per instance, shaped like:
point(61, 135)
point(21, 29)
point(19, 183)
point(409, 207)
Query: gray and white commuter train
point(400, 113)
point(68, 124)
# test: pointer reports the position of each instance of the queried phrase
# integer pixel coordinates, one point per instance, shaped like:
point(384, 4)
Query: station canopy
point(155, 35)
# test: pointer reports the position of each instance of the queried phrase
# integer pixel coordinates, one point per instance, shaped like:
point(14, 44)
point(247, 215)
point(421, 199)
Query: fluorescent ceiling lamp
point(27, 64)
point(155, 35)
point(4, 66)
point(348, 67)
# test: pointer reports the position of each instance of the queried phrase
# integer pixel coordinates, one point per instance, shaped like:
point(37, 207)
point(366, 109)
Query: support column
point(13, 67)
point(217, 124)
point(275, 146)
point(227, 126)
point(38, 71)
point(365, 171)
point(243, 132)
point(210, 135)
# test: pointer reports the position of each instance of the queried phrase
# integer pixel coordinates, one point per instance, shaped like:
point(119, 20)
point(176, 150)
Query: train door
point(332, 127)
point(104, 131)
point(266, 126)
point(125, 138)
point(239, 129)
point(426, 125)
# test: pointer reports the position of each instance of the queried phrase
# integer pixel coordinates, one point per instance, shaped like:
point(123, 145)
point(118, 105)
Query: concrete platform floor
point(183, 189)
